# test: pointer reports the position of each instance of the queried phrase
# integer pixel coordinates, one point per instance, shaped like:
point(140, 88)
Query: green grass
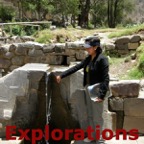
point(45, 36)
point(127, 31)
point(115, 60)
point(137, 72)
point(134, 73)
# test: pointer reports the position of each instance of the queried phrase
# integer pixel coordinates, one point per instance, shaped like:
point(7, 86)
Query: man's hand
point(58, 78)
point(98, 100)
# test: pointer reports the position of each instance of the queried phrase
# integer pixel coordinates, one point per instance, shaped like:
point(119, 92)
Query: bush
point(6, 13)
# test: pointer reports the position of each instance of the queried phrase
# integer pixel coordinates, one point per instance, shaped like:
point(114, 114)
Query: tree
point(83, 17)
point(116, 10)
point(6, 13)
point(98, 12)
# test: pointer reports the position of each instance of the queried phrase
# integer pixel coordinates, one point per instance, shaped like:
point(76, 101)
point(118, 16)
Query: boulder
point(125, 88)
point(122, 40)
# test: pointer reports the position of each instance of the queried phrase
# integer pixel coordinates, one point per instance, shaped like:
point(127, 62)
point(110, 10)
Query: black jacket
point(98, 72)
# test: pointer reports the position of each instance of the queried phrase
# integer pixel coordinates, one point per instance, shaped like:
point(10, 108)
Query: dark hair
point(94, 41)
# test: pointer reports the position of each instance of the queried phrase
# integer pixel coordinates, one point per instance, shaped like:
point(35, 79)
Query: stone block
point(132, 122)
point(4, 63)
point(18, 60)
point(116, 104)
point(122, 40)
point(21, 50)
point(71, 59)
point(75, 45)
point(13, 47)
point(134, 107)
point(29, 59)
point(79, 108)
point(70, 52)
point(133, 46)
point(59, 47)
point(35, 53)
point(81, 54)
point(109, 46)
point(121, 46)
point(8, 55)
point(18, 102)
point(48, 48)
point(125, 88)
point(76, 81)
point(123, 52)
point(135, 38)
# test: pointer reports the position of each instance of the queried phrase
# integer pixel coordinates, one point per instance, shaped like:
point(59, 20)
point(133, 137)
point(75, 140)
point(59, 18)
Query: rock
point(133, 46)
point(8, 55)
point(18, 60)
point(122, 40)
point(59, 47)
point(70, 52)
point(55, 60)
point(27, 38)
point(134, 107)
point(132, 122)
point(13, 47)
point(125, 88)
point(29, 59)
point(18, 101)
point(52, 27)
point(35, 53)
point(49, 48)
point(135, 39)
point(122, 46)
point(109, 46)
point(116, 104)
point(133, 56)
point(71, 59)
point(4, 64)
point(123, 52)
point(21, 49)
point(3, 50)
point(75, 45)
point(81, 55)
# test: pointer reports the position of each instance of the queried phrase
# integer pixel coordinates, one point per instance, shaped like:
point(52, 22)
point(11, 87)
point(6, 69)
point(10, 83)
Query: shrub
point(6, 13)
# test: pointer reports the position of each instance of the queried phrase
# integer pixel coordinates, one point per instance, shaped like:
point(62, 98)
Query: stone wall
point(14, 55)
point(124, 45)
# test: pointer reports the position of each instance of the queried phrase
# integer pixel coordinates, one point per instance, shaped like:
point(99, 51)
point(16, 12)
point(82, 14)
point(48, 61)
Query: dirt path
point(121, 69)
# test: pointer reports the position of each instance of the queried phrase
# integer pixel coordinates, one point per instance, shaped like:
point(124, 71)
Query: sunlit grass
point(127, 31)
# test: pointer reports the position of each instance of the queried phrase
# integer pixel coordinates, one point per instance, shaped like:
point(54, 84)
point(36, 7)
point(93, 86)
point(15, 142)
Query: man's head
point(92, 42)
point(92, 45)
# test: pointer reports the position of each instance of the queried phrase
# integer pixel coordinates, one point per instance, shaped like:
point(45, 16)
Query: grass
point(47, 35)
point(134, 73)
point(137, 72)
point(127, 31)
point(115, 60)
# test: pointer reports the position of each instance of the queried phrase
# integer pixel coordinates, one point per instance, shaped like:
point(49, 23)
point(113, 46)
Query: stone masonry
point(14, 55)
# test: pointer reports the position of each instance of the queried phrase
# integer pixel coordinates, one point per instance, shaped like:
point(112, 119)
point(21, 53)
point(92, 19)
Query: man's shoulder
point(102, 57)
